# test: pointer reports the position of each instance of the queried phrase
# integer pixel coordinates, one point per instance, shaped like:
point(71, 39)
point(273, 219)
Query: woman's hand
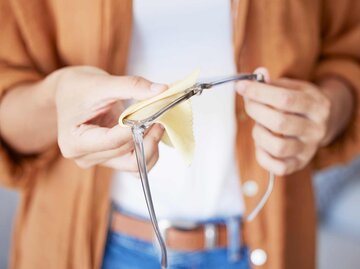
point(89, 103)
point(293, 119)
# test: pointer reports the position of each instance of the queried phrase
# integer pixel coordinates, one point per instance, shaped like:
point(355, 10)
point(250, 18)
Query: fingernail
point(157, 87)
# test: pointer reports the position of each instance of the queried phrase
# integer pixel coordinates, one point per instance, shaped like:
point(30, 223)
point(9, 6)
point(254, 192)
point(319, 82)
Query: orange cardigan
point(63, 217)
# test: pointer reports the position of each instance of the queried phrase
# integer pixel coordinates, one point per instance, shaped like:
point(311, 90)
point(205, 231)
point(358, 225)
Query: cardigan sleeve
point(16, 67)
point(340, 57)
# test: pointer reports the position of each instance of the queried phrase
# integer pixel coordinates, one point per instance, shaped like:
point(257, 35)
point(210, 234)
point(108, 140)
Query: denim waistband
point(233, 225)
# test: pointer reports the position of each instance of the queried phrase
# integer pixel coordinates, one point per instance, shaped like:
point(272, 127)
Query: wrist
point(47, 88)
point(31, 109)
point(342, 105)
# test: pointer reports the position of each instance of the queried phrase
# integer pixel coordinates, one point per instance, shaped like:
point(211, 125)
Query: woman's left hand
point(291, 118)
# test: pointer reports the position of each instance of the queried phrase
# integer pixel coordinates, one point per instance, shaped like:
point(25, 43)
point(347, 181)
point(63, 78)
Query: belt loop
point(211, 235)
point(234, 240)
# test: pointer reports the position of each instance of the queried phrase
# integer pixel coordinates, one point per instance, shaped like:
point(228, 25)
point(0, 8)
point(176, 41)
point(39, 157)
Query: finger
point(155, 132)
point(110, 117)
point(124, 163)
point(89, 160)
point(279, 167)
point(128, 163)
point(317, 104)
point(280, 123)
point(263, 71)
point(101, 143)
point(280, 98)
point(153, 160)
point(290, 83)
point(279, 147)
point(308, 153)
point(125, 87)
point(87, 139)
point(151, 144)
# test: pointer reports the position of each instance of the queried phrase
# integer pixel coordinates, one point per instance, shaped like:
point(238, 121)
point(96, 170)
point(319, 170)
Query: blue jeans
point(124, 252)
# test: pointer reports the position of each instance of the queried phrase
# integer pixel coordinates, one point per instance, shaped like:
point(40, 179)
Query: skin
point(294, 119)
point(79, 107)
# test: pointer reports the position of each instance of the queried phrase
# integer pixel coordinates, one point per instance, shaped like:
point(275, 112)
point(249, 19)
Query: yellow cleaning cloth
point(177, 121)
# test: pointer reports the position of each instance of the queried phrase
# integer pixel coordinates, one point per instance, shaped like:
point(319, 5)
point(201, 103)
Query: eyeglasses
point(138, 128)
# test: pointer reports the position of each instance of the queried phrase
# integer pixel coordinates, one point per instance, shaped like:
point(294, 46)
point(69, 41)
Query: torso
point(170, 39)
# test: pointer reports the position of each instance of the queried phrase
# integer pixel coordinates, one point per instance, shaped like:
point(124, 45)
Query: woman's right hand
point(88, 103)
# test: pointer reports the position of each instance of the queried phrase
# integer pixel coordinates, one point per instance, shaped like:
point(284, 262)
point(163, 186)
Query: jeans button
point(258, 257)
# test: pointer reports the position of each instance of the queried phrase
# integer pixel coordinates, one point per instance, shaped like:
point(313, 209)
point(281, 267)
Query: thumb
point(265, 72)
point(131, 87)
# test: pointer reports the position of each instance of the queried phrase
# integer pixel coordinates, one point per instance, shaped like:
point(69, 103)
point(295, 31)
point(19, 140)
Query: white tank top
point(170, 40)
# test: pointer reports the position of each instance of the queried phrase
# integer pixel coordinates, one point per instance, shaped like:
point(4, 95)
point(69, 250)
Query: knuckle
point(125, 149)
point(154, 141)
point(296, 146)
point(117, 141)
point(136, 81)
point(114, 142)
point(307, 103)
point(155, 138)
point(288, 99)
point(280, 123)
point(280, 148)
point(299, 128)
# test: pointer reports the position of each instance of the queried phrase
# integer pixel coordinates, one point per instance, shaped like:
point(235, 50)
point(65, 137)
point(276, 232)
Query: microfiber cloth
point(178, 122)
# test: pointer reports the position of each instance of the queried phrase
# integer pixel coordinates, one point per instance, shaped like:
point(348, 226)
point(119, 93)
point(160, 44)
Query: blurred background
point(338, 202)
